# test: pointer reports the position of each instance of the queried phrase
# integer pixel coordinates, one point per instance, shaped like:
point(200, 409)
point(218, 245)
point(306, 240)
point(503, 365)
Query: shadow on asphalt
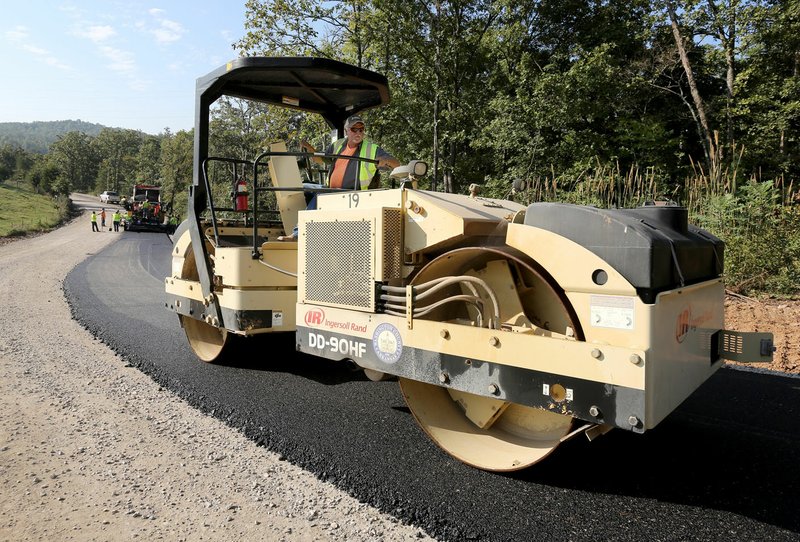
point(705, 454)
point(247, 353)
point(713, 453)
point(710, 453)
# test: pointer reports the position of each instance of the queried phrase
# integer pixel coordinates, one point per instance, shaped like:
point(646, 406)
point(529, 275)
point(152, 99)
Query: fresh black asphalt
point(723, 466)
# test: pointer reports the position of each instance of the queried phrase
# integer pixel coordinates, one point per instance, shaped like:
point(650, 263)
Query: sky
point(123, 64)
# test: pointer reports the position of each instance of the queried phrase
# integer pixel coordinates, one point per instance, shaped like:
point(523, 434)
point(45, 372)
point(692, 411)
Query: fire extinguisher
point(240, 198)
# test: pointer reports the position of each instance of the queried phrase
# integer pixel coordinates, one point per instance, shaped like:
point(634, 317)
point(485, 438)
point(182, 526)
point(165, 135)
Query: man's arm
point(386, 160)
point(308, 147)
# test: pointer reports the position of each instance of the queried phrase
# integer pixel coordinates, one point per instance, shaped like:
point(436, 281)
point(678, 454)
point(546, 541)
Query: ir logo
point(314, 317)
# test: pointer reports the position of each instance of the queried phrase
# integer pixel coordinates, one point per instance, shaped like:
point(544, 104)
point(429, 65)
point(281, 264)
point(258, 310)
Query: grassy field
point(22, 210)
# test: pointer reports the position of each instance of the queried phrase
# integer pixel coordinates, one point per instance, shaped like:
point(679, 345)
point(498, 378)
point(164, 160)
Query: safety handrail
point(209, 193)
point(255, 189)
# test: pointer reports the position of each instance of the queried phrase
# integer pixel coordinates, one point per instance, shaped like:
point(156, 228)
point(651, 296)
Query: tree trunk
point(696, 98)
point(729, 79)
point(726, 33)
point(435, 136)
point(436, 70)
point(357, 35)
point(451, 167)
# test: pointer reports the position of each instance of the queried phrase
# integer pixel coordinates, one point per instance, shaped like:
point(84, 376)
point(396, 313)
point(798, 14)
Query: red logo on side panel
point(682, 325)
point(314, 317)
point(690, 321)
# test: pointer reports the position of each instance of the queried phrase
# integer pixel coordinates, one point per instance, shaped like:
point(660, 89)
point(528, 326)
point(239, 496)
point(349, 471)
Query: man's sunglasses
point(356, 130)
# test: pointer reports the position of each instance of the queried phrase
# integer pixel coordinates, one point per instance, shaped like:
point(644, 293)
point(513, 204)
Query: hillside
point(38, 136)
point(22, 211)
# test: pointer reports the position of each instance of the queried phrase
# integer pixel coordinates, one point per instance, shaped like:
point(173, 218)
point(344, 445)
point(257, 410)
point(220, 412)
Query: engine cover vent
point(343, 257)
point(392, 227)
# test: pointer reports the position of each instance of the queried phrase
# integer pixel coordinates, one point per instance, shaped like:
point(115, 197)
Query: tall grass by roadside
point(599, 185)
point(759, 220)
point(23, 211)
point(760, 224)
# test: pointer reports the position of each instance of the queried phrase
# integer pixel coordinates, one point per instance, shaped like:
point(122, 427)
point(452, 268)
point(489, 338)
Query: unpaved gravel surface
point(93, 450)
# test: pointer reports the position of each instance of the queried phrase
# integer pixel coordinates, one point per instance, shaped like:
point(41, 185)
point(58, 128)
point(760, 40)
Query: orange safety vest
point(366, 170)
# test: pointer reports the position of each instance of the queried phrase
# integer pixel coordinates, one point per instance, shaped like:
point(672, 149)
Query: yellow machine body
point(525, 334)
point(253, 295)
point(254, 298)
point(511, 328)
point(630, 369)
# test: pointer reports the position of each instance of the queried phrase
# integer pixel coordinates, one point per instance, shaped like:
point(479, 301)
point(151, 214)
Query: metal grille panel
point(732, 343)
point(338, 263)
point(392, 250)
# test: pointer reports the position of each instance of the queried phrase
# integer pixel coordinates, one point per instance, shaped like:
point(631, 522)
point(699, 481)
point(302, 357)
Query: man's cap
point(352, 121)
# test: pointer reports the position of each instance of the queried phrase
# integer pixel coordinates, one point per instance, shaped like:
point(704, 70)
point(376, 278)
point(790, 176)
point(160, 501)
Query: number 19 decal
point(353, 199)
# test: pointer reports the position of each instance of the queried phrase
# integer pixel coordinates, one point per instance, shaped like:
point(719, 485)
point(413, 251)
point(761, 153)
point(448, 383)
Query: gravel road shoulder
point(93, 450)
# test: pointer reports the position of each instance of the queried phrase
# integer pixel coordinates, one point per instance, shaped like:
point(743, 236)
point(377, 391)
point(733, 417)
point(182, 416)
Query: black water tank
point(653, 247)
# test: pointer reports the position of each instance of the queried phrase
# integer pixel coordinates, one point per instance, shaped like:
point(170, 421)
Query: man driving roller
point(344, 172)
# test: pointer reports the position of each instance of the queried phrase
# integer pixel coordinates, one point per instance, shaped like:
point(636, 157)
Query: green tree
point(43, 175)
point(493, 89)
point(570, 91)
point(306, 27)
point(8, 160)
point(77, 161)
point(117, 149)
point(148, 166)
point(240, 129)
point(443, 82)
point(176, 170)
point(766, 115)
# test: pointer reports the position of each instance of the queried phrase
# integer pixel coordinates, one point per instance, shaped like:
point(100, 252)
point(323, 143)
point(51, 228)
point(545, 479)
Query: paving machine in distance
point(145, 211)
point(511, 328)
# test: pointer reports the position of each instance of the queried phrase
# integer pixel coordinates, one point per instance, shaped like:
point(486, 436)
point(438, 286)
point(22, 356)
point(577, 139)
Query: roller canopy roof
point(333, 89)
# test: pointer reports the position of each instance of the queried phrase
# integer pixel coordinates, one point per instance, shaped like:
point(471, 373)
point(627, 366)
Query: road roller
point(510, 328)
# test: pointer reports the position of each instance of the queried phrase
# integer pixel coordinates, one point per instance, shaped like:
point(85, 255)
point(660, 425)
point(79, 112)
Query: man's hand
point(308, 147)
point(387, 163)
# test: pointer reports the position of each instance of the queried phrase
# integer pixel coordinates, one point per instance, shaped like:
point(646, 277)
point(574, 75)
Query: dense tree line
point(491, 90)
point(114, 159)
point(588, 101)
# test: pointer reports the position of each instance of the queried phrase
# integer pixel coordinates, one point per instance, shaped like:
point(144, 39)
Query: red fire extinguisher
point(240, 198)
